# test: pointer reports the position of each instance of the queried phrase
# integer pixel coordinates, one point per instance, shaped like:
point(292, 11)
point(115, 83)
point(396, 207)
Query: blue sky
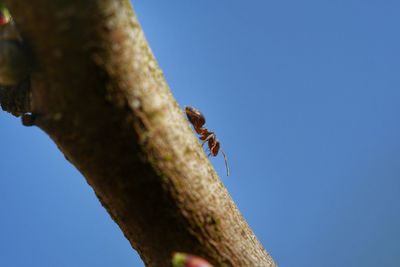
point(304, 97)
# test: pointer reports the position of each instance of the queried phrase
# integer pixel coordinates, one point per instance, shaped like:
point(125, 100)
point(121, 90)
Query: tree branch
point(98, 92)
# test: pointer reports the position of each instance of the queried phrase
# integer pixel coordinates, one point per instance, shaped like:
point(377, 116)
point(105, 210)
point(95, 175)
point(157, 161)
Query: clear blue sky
point(304, 96)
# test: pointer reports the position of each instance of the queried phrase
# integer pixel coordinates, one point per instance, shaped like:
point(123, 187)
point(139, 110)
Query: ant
point(197, 119)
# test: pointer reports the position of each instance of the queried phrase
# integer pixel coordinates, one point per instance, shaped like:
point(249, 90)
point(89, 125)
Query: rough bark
point(98, 92)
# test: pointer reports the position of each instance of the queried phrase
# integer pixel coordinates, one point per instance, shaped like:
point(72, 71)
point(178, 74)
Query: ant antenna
point(226, 162)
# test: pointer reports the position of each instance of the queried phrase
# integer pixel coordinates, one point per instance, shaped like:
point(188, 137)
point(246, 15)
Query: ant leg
point(226, 162)
point(206, 140)
point(202, 143)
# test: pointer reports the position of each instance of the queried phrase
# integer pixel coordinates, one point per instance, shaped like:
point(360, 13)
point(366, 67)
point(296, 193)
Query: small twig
point(15, 66)
point(16, 99)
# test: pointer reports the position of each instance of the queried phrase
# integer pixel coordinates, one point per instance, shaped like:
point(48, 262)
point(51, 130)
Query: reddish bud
point(4, 15)
point(186, 260)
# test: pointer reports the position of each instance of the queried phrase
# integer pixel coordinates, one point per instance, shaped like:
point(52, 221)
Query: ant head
point(195, 117)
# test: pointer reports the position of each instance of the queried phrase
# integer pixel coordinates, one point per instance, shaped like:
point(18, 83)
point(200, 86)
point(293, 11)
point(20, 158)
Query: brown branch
point(98, 92)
